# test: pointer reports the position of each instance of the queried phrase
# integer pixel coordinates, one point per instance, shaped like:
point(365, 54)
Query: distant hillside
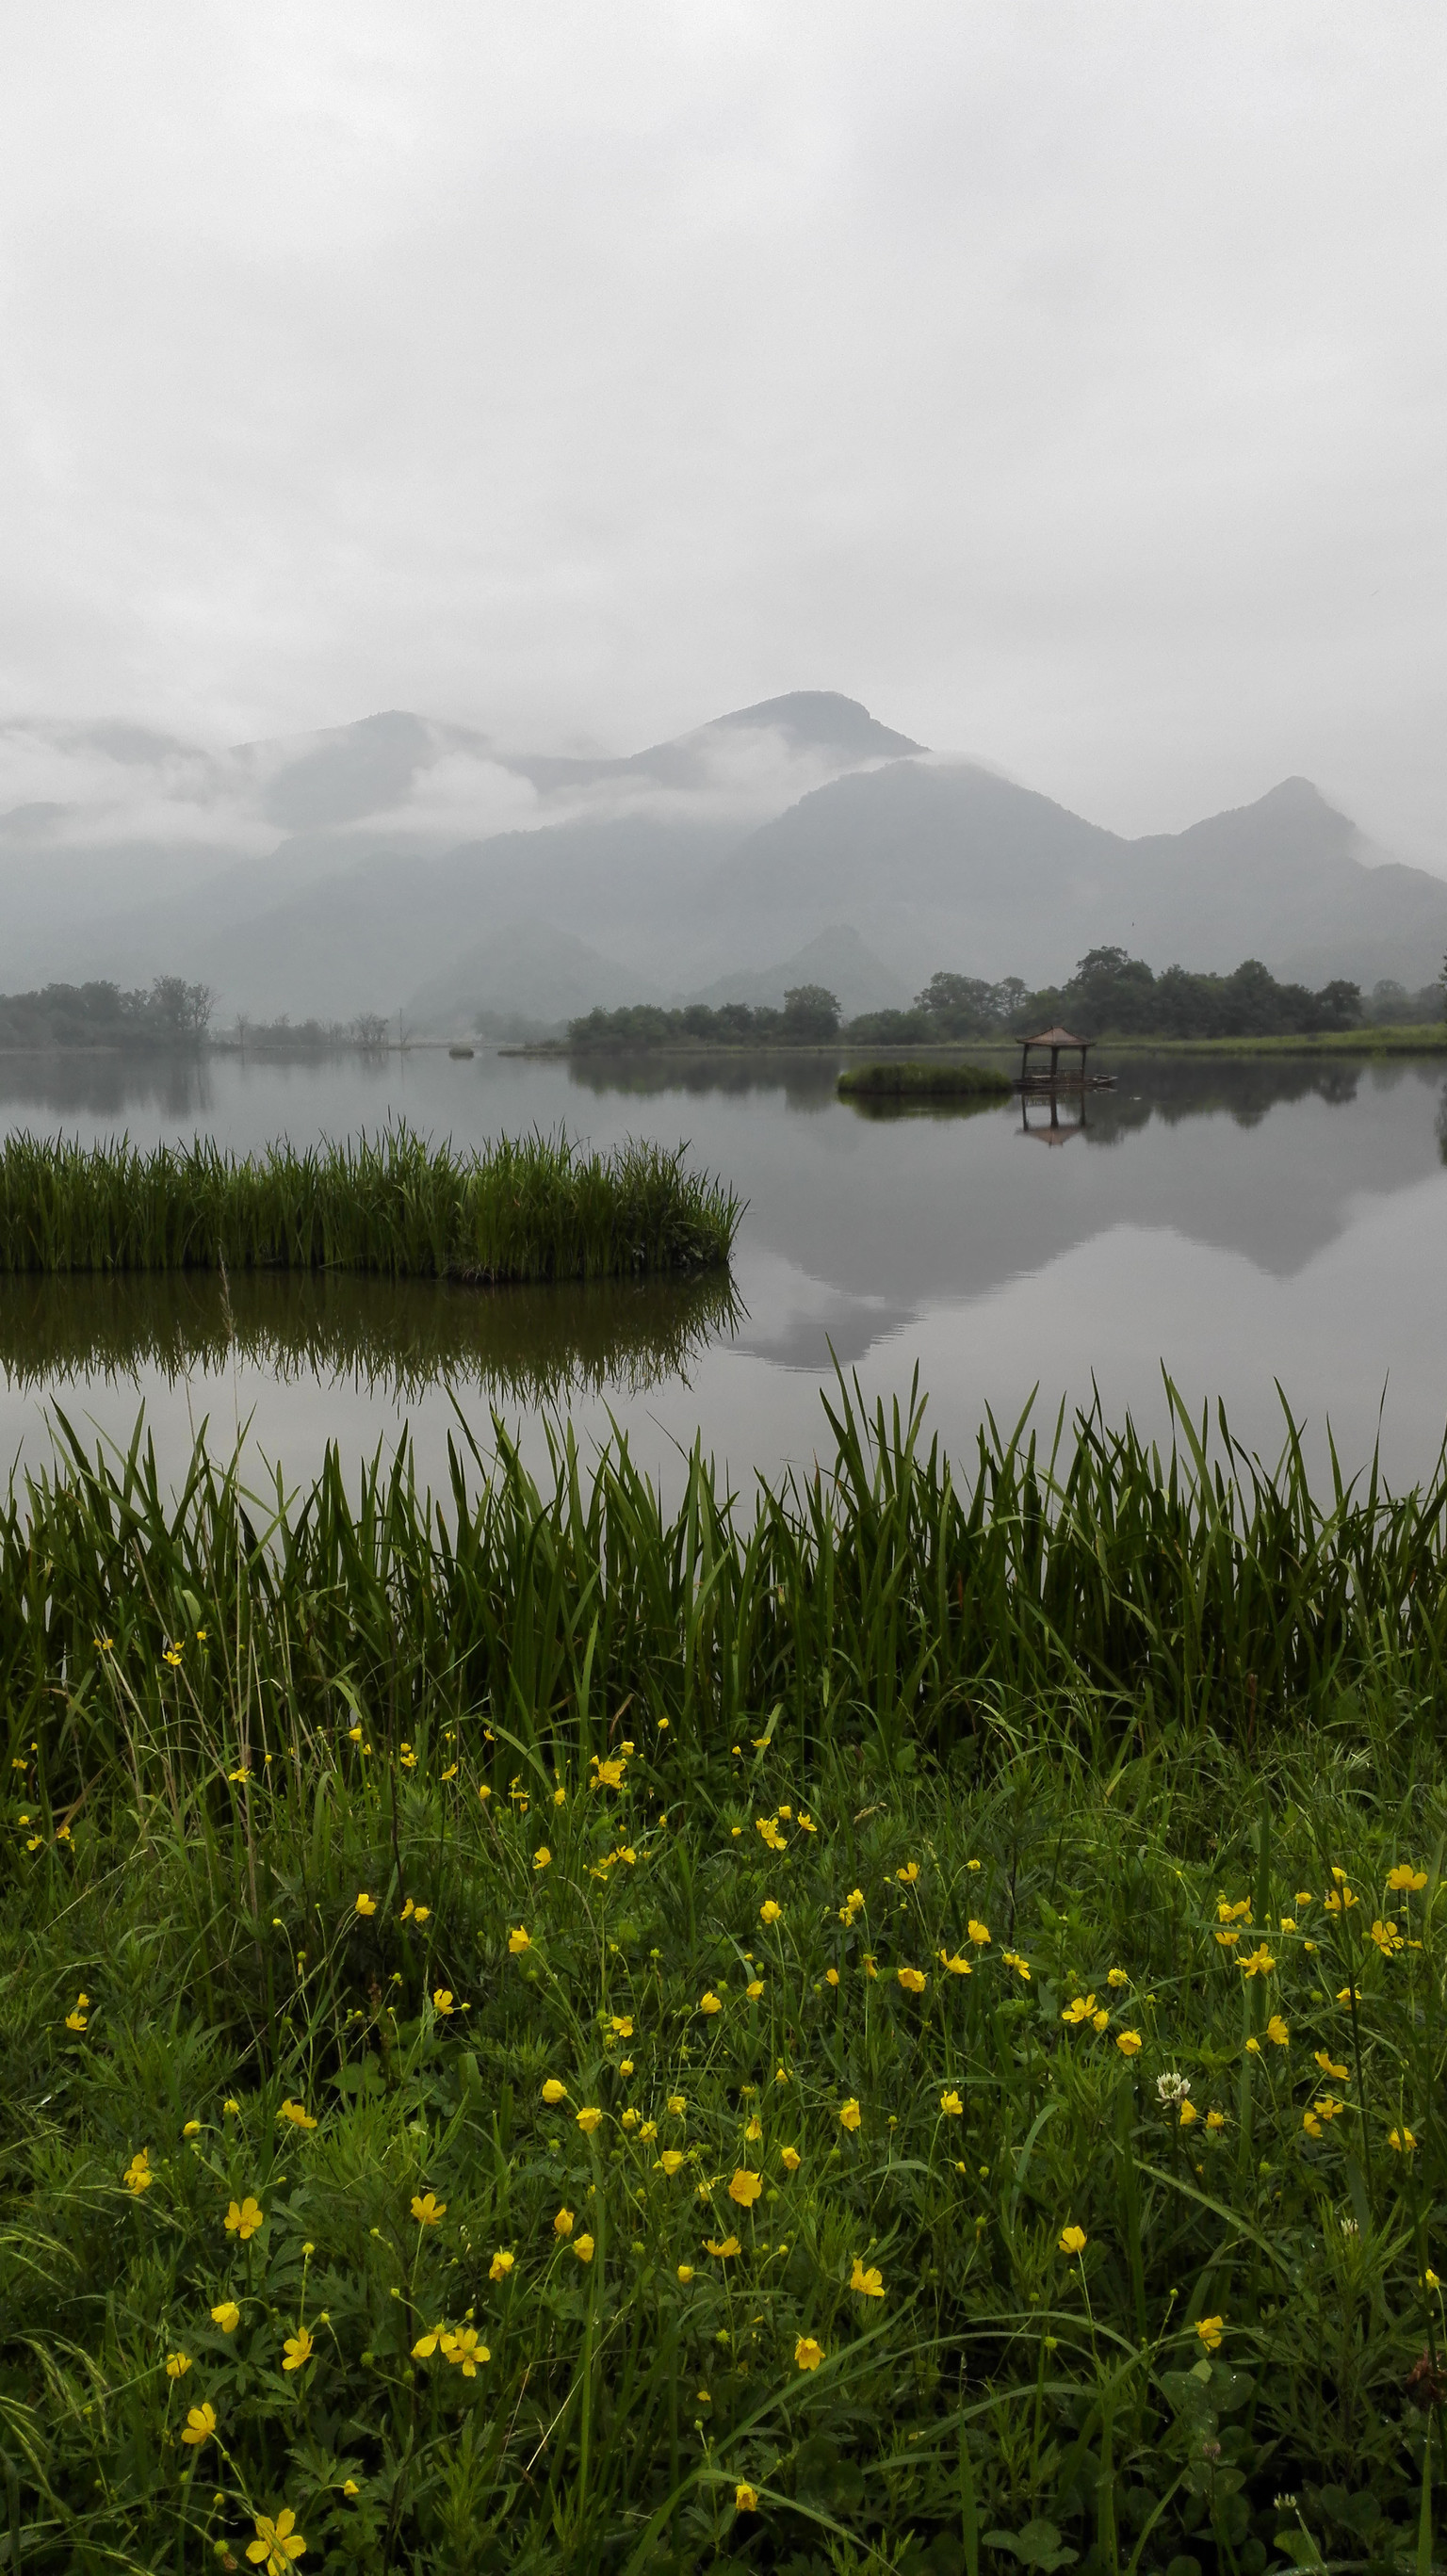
point(405, 863)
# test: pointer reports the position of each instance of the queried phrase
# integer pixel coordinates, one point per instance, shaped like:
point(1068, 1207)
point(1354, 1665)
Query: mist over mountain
point(401, 863)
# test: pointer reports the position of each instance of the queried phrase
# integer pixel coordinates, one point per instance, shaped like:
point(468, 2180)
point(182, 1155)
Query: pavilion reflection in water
point(1040, 1117)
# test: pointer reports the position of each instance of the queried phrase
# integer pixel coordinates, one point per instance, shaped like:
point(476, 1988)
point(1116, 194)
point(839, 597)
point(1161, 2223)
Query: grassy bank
point(535, 1210)
point(904, 1081)
point(885, 2033)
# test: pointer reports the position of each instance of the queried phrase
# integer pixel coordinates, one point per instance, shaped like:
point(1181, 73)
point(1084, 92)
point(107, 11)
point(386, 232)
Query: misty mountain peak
point(826, 718)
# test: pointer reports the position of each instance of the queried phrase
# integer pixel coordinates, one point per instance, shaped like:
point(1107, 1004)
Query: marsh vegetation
point(394, 1205)
point(898, 2027)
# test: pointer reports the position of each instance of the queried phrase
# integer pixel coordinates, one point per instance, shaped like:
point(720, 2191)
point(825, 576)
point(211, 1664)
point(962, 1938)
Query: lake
point(1237, 1223)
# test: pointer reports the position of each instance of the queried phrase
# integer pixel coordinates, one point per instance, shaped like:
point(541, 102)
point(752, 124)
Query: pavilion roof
point(1057, 1038)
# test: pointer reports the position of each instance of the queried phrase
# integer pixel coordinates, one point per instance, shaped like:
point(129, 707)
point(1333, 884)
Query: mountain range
point(403, 864)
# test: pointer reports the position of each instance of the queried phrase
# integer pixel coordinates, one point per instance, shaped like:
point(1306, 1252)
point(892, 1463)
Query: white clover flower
point(1171, 2090)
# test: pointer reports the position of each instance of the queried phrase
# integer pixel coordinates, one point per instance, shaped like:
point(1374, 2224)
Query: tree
point(811, 1012)
point(182, 1010)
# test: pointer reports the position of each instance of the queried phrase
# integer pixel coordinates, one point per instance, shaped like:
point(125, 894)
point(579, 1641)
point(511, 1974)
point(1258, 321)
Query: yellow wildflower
point(1228, 1940)
point(1277, 2031)
point(199, 2426)
point(979, 1933)
point(908, 1874)
point(1405, 1876)
point(790, 2159)
point(869, 2284)
point(138, 2176)
point(563, 2223)
point(670, 2161)
point(518, 1940)
point(1215, 2120)
point(1072, 2240)
point(912, 1980)
point(709, 2003)
point(227, 2316)
point(1117, 1977)
point(554, 2092)
point(676, 2104)
point(1401, 2141)
point(366, 1904)
point(745, 2187)
point(1259, 1963)
point(1211, 2330)
point(1311, 2124)
point(177, 2364)
point(726, 2250)
point(583, 2247)
point(277, 2543)
point(746, 2498)
point(243, 2218)
point(754, 1989)
point(1329, 2066)
point(298, 2114)
point(443, 2001)
point(297, 2350)
point(1100, 2021)
point(685, 2274)
point(1240, 1912)
point(769, 1912)
point(850, 2115)
point(951, 2105)
point(958, 1966)
point(622, 2026)
point(427, 2209)
point(1128, 2042)
point(500, 2266)
point(1189, 2115)
point(807, 2353)
point(542, 1857)
point(589, 2118)
point(464, 2348)
point(1078, 2011)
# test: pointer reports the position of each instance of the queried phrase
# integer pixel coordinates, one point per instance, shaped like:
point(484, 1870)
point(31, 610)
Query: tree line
point(1109, 992)
point(173, 1014)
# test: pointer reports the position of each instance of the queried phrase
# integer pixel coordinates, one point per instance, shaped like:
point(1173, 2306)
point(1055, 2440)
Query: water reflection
point(806, 1081)
point(103, 1084)
point(526, 1345)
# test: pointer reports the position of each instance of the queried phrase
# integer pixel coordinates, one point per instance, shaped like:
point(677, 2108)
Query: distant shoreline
point(1428, 1039)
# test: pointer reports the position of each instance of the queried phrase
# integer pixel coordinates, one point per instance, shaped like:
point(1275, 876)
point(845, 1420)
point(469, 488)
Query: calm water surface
point(1238, 1225)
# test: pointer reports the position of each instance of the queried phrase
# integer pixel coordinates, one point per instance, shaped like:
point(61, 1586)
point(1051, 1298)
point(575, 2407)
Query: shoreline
point(1426, 1040)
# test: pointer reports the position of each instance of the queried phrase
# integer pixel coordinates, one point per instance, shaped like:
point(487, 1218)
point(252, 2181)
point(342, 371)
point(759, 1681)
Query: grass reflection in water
point(533, 1345)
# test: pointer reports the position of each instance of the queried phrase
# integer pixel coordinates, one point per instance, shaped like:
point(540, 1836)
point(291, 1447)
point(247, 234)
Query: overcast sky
point(1067, 382)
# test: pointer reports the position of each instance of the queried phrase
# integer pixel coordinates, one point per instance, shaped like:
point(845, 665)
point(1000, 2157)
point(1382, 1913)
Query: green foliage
point(810, 1017)
point(899, 1081)
point(344, 1811)
point(172, 1014)
point(531, 1210)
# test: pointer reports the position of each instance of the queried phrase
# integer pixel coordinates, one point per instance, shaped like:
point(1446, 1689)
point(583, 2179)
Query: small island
point(901, 1081)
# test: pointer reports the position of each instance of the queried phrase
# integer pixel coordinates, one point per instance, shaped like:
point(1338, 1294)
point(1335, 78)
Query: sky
point(1065, 378)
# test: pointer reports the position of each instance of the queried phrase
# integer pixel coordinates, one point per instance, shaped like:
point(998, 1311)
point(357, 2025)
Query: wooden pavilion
point(1060, 1042)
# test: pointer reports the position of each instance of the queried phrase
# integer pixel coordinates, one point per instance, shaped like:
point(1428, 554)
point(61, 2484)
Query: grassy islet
point(529, 1209)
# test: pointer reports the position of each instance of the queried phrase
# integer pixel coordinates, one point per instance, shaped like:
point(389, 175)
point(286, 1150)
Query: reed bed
point(534, 1209)
point(893, 1593)
point(549, 2032)
point(900, 1081)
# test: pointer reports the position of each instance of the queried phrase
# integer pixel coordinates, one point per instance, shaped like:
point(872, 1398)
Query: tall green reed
point(534, 1208)
point(888, 1599)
